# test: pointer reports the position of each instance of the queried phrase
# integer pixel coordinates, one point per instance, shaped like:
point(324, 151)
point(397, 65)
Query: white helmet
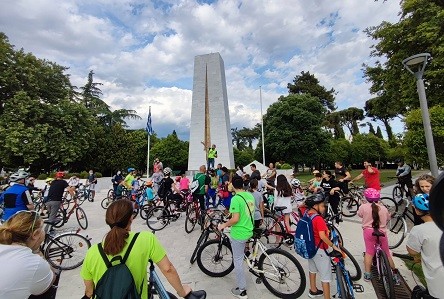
point(167, 171)
point(21, 174)
point(295, 183)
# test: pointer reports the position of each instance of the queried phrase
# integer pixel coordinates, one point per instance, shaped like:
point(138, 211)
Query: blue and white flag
point(149, 128)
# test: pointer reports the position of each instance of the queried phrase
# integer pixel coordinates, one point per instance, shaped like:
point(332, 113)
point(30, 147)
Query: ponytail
point(19, 228)
point(375, 216)
point(118, 216)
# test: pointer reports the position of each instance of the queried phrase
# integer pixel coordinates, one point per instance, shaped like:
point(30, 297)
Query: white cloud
point(143, 51)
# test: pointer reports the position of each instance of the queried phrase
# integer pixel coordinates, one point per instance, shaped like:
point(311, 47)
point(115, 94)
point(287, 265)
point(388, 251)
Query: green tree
point(339, 150)
point(172, 151)
point(306, 83)
point(293, 130)
point(379, 133)
point(110, 118)
point(243, 157)
point(334, 122)
point(383, 109)
point(415, 139)
point(371, 130)
point(350, 118)
point(368, 146)
point(90, 96)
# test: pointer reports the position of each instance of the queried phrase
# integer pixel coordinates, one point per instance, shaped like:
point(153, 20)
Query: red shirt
point(318, 226)
point(372, 179)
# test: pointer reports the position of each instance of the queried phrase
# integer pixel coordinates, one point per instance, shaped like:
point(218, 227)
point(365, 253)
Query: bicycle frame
point(155, 284)
point(257, 245)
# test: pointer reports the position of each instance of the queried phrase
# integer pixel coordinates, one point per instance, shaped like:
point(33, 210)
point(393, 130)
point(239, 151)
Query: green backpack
point(117, 282)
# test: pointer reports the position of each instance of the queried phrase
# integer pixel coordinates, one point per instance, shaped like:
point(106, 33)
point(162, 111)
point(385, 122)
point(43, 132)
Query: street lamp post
point(416, 64)
point(262, 127)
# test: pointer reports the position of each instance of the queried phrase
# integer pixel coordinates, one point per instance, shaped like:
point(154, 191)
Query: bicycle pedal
point(358, 288)
point(258, 280)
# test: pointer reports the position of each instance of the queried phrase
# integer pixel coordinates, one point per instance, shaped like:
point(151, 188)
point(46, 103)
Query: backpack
point(304, 243)
point(194, 187)
point(117, 282)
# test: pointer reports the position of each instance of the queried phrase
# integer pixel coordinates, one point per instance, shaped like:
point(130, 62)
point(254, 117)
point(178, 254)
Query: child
point(316, 182)
point(135, 187)
point(149, 191)
point(375, 217)
point(184, 183)
point(321, 262)
point(298, 193)
point(283, 198)
point(259, 204)
point(213, 188)
point(423, 243)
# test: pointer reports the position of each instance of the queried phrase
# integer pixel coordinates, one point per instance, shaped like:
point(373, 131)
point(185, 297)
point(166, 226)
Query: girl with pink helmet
point(375, 217)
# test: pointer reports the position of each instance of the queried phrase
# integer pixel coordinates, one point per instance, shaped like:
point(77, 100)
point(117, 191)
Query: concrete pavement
point(179, 246)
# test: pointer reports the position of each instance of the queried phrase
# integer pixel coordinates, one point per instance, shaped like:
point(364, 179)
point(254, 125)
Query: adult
point(219, 172)
point(423, 244)
point(157, 165)
point(170, 189)
point(91, 181)
point(282, 197)
point(204, 184)
point(371, 176)
point(129, 178)
point(116, 180)
point(212, 155)
point(74, 181)
point(24, 272)
point(240, 171)
point(30, 184)
point(331, 188)
point(404, 175)
point(242, 209)
point(342, 176)
point(119, 217)
point(55, 195)
point(270, 174)
point(255, 173)
point(17, 197)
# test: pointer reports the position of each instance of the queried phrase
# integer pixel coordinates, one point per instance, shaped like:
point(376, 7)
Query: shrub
point(42, 176)
point(98, 175)
point(285, 166)
point(83, 175)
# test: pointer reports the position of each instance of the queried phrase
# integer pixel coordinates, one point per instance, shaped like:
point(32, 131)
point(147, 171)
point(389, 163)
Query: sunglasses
point(33, 213)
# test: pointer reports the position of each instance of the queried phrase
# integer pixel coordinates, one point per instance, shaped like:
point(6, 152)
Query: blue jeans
point(210, 164)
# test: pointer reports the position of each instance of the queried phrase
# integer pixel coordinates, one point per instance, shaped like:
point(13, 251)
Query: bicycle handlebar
point(201, 294)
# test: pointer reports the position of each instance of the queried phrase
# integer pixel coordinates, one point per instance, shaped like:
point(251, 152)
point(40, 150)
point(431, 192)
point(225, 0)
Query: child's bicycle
point(278, 269)
point(344, 280)
point(383, 266)
point(66, 210)
point(276, 232)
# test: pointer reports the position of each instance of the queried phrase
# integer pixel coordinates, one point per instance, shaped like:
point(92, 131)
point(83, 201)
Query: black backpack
point(117, 282)
point(162, 191)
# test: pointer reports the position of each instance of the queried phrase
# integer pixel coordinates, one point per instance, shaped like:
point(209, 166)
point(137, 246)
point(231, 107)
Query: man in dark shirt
point(342, 176)
point(55, 195)
point(255, 174)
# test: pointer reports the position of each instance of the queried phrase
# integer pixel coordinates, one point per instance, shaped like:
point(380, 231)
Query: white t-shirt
point(23, 273)
point(424, 238)
point(280, 201)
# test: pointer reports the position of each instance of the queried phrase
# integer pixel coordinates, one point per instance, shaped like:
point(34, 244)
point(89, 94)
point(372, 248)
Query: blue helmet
point(421, 202)
point(131, 169)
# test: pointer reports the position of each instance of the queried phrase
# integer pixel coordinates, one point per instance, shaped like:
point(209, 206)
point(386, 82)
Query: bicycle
point(383, 266)
point(276, 232)
point(278, 269)
point(65, 251)
point(64, 215)
point(397, 226)
point(160, 216)
point(193, 215)
point(400, 190)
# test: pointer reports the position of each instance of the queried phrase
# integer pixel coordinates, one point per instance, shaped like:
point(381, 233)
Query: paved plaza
point(179, 246)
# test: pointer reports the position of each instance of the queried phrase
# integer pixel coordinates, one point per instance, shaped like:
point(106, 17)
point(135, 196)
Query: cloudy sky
point(143, 51)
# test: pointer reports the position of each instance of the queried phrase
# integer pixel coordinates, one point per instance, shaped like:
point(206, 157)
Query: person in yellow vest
point(212, 154)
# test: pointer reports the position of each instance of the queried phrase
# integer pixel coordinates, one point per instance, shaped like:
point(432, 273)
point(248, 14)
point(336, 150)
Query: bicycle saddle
point(335, 253)
point(196, 295)
point(377, 233)
point(278, 209)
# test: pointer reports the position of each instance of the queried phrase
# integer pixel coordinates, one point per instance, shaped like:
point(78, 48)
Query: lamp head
point(416, 64)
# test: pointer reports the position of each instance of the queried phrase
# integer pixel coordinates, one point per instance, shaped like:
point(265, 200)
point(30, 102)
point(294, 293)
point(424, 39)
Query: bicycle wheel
point(81, 199)
point(283, 275)
point(397, 229)
point(344, 291)
point(390, 204)
point(144, 210)
point(385, 274)
point(191, 218)
point(89, 195)
point(202, 239)
point(349, 206)
point(110, 193)
point(338, 233)
point(215, 258)
point(272, 236)
point(81, 218)
point(105, 202)
point(67, 251)
point(157, 218)
point(397, 193)
point(351, 264)
point(60, 218)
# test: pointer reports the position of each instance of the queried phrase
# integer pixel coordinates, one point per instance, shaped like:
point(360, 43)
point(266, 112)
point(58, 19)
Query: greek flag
point(149, 128)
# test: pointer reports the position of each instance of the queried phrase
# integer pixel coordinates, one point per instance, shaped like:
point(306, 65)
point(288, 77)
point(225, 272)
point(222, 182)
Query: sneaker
point(239, 294)
point(367, 276)
point(396, 279)
point(318, 293)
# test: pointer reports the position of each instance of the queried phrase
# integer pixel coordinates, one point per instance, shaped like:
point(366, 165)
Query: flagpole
point(148, 156)
point(262, 127)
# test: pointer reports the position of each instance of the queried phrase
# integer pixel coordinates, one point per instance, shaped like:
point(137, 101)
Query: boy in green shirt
point(241, 222)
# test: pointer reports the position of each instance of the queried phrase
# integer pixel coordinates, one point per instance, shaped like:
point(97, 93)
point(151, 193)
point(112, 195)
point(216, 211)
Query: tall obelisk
point(210, 118)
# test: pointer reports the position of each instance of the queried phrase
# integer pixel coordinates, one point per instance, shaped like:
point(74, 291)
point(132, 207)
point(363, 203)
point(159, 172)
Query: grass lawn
point(384, 175)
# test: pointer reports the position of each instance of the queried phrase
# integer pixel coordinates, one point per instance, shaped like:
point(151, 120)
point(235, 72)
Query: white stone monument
point(210, 118)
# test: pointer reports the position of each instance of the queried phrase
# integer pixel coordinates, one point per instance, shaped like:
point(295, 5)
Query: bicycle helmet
point(421, 202)
point(19, 175)
point(295, 183)
point(314, 199)
point(167, 171)
point(49, 180)
point(60, 174)
point(131, 169)
point(372, 195)
point(399, 160)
